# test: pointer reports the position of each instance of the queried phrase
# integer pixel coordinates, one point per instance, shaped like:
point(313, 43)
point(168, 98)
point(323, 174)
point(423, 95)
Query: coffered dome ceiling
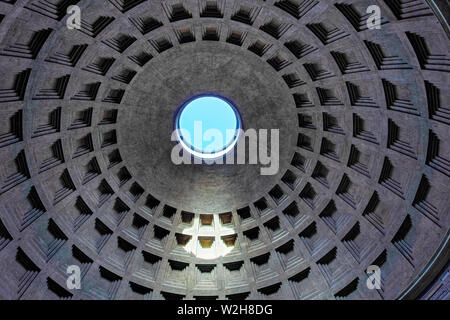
point(86, 176)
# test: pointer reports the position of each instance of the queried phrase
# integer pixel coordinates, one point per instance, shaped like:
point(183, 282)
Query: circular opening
point(208, 126)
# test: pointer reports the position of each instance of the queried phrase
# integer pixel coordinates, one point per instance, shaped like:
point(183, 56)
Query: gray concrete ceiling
point(86, 177)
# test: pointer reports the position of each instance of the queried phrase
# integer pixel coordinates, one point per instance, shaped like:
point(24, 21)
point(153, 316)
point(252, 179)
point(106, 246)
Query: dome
point(356, 115)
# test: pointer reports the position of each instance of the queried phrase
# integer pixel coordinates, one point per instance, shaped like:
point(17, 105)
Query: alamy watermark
point(74, 19)
point(374, 20)
point(259, 151)
point(74, 278)
point(374, 277)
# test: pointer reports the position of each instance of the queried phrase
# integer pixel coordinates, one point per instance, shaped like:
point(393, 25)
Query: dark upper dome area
point(86, 176)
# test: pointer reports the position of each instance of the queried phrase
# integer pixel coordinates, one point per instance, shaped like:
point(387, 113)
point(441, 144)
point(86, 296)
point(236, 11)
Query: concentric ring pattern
point(85, 171)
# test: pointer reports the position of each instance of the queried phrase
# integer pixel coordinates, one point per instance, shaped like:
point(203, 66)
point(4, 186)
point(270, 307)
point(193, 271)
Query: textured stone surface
point(85, 128)
point(194, 69)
